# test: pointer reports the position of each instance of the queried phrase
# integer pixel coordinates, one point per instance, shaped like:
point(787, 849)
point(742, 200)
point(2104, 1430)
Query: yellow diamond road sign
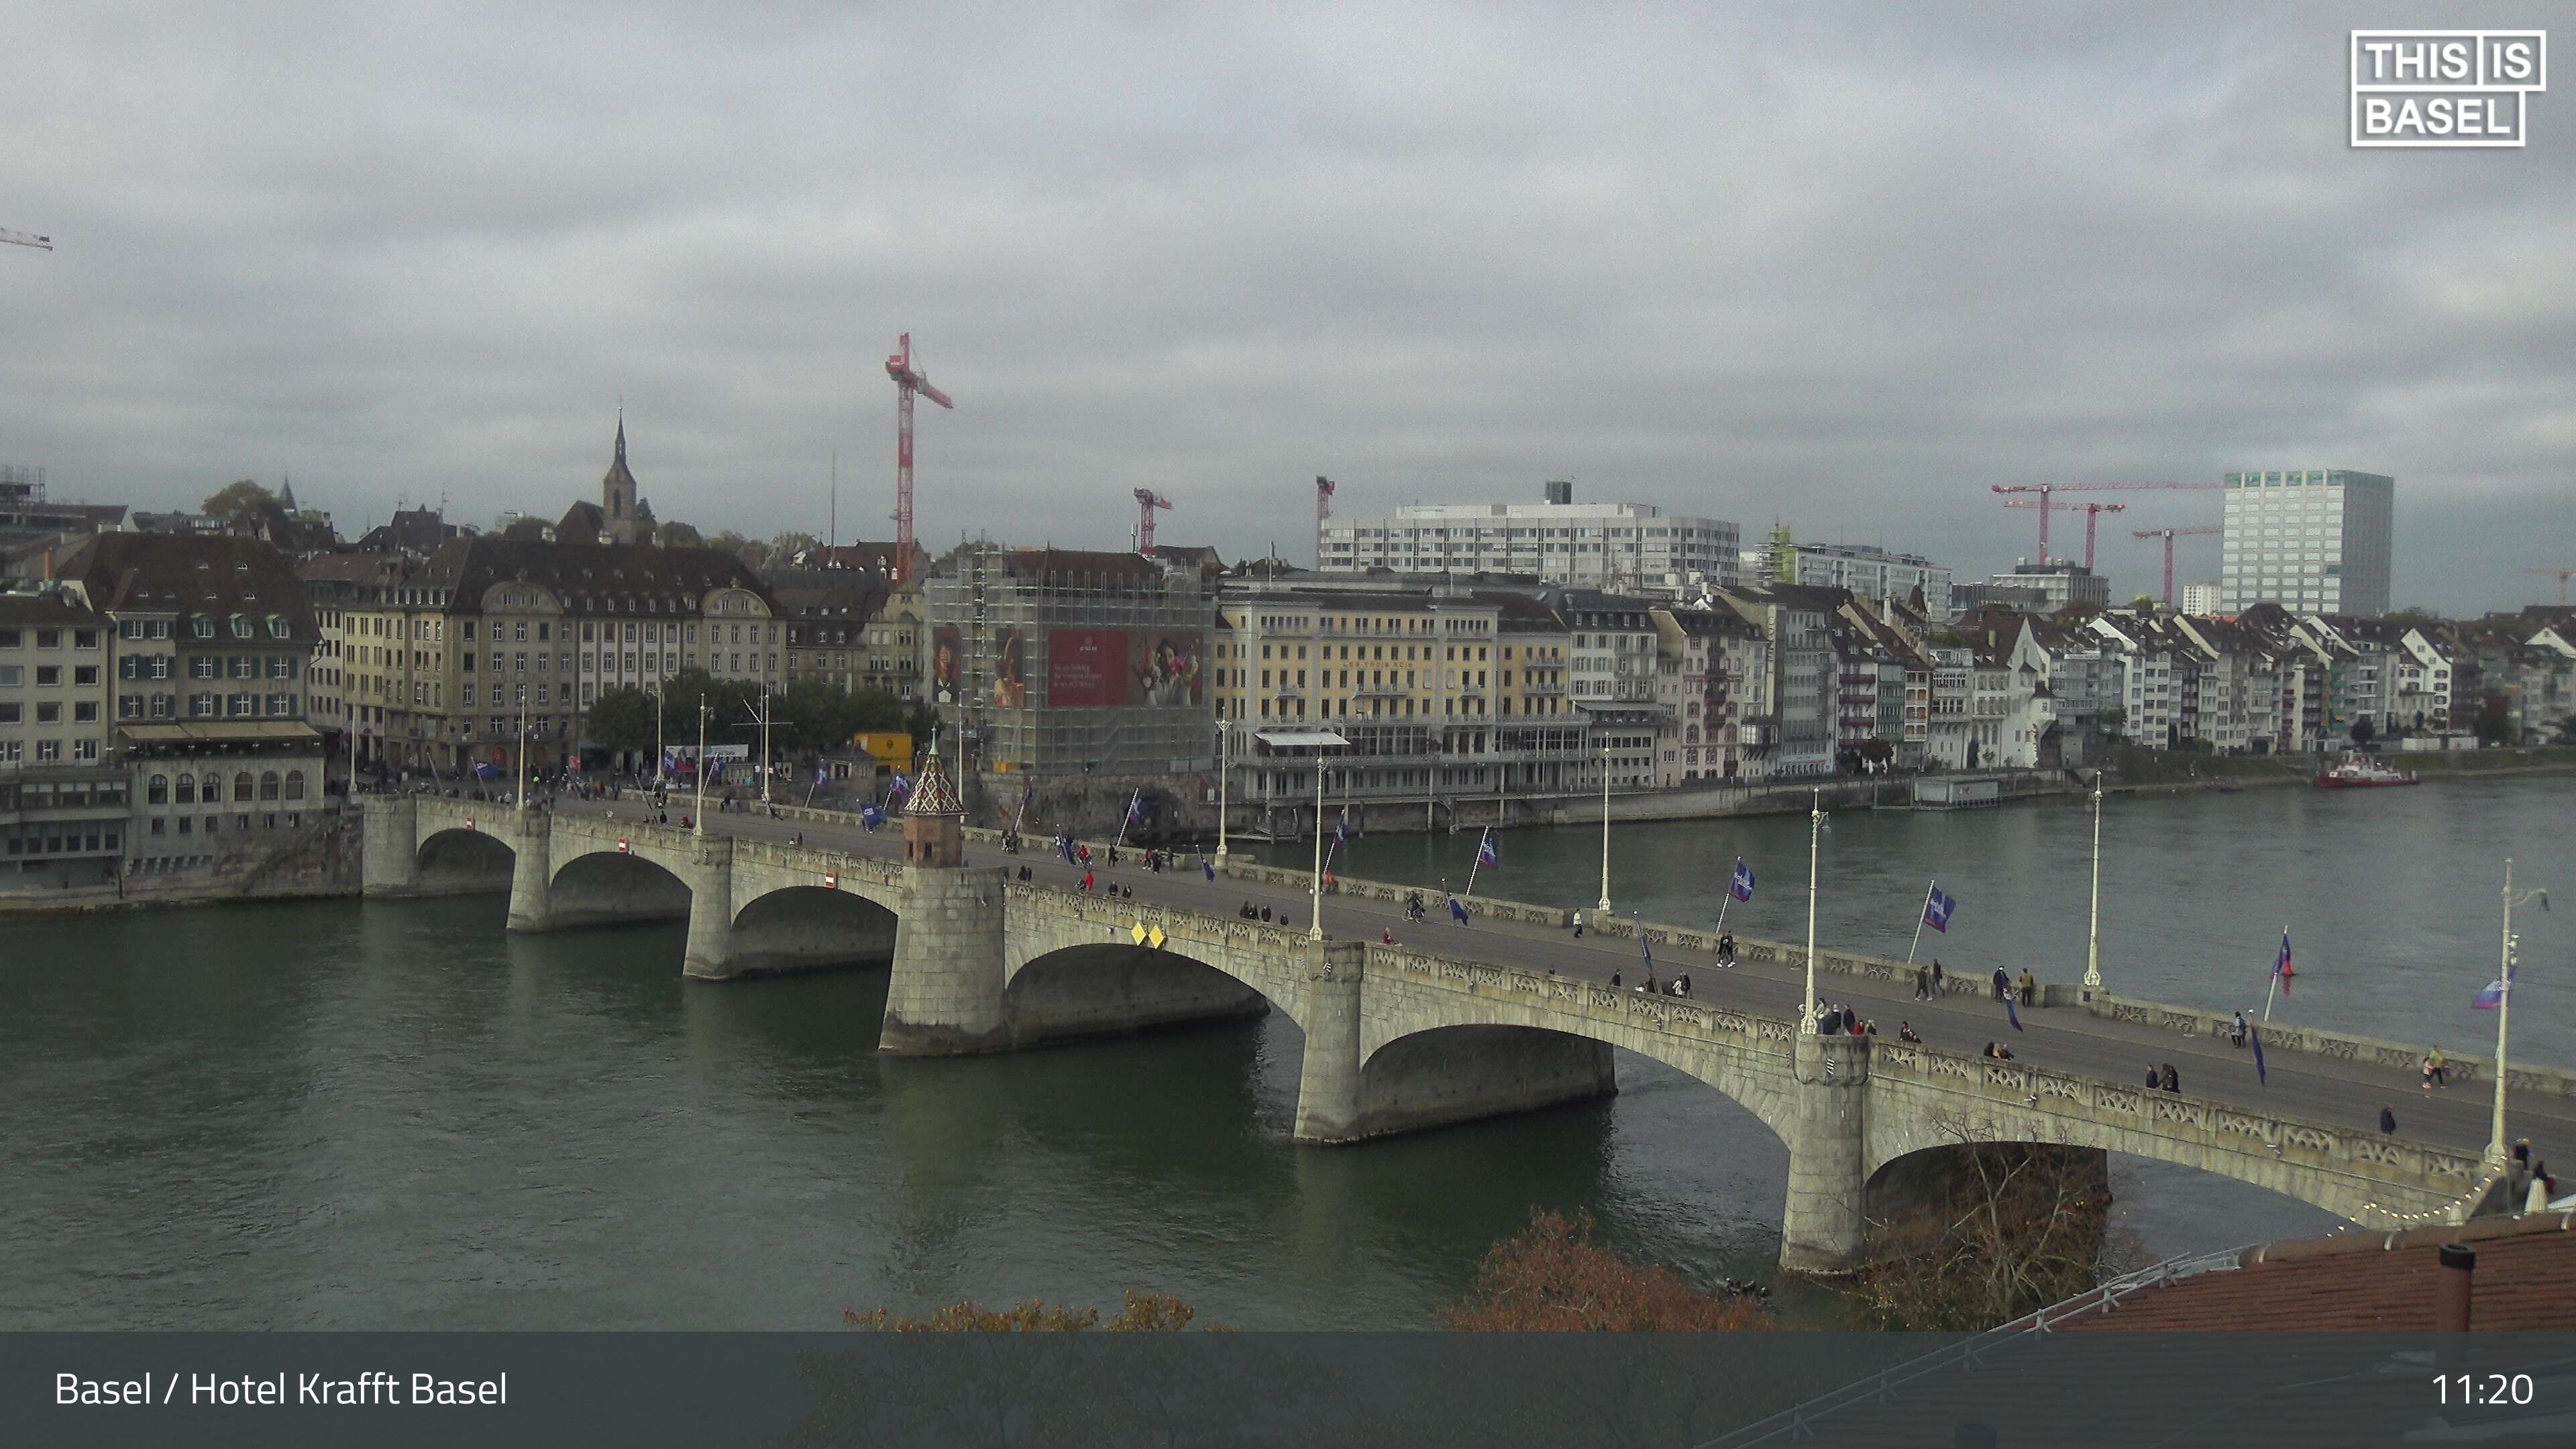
point(1138, 931)
point(1157, 938)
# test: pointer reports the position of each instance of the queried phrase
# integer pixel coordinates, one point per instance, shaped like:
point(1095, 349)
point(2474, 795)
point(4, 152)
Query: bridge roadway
point(2068, 1039)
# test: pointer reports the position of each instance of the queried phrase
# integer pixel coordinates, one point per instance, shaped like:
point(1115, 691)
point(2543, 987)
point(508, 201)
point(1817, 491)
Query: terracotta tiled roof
point(2375, 1282)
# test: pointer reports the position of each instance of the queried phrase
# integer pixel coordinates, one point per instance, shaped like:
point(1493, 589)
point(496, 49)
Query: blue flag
point(1458, 908)
point(1937, 908)
point(2490, 998)
point(2255, 1034)
point(1064, 847)
point(1208, 866)
point(486, 770)
point(2281, 966)
point(871, 817)
point(1646, 944)
point(1742, 888)
point(900, 787)
point(2010, 1013)
point(1341, 834)
point(1136, 807)
point(1489, 852)
point(820, 775)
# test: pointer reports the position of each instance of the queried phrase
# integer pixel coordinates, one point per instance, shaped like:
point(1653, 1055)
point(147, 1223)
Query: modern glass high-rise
point(2314, 541)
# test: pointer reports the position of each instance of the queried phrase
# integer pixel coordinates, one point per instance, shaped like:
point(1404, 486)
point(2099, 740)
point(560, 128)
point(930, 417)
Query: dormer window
point(277, 627)
point(202, 627)
point(241, 626)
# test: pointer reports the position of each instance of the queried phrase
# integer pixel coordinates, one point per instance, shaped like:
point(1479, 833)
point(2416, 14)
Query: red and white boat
point(2360, 772)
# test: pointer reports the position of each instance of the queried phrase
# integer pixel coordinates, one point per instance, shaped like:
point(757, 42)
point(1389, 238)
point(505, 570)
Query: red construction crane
point(2562, 575)
point(2092, 514)
point(907, 381)
point(1323, 510)
point(1147, 500)
point(2045, 489)
point(2169, 535)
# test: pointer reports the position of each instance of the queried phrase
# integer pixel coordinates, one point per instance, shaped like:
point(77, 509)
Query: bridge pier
point(944, 997)
point(1329, 1107)
point(1823, 1224)
point(532, 872)
point(708, 873)
point(391, 863)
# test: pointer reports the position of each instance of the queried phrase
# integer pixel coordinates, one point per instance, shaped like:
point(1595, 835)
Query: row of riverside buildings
point(172, 698)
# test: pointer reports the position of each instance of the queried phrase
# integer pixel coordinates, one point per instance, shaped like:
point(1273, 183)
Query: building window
point(295, 784)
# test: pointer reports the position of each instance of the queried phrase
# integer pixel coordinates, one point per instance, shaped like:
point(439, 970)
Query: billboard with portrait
point(1086, 668)
point(1011, 672)
point(1168, 674)
point(947, 664)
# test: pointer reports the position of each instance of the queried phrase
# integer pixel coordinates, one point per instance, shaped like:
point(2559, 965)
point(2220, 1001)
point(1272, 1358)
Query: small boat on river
point(2360, 772)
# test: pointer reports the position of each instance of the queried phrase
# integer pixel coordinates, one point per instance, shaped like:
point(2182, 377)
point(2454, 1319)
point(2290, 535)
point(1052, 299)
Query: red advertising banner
point(1086, 668)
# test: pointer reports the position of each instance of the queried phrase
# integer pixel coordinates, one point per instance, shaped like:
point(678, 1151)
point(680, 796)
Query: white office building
point(2313, 541)
point(1624, 547)
point(2200, 600)
point(1870, 572)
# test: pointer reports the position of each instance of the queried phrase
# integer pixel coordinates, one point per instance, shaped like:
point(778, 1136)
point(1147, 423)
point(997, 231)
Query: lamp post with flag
point(1738, 889)
point(1815, 843)
point(1936, 914)
point(1224, 767)
point(1605, 828)
point(2282, 974)
point(2501, 992)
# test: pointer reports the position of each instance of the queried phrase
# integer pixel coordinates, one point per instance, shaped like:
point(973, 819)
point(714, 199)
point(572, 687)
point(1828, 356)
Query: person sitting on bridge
point(1578, 925)
point(1386, 938)
point(1265, 913)
point(1648, 985)
point(1857, 1027)
point(1614, 979)
point(2029, 988)
point(2236, 1036)
point(2173, 1079)
point(1726, 948)
point(1905, 1032)
point(685, 822)
point(1086, 880)
point(1831, 1024)
point(1999, 1053)
point(2387, 1122)
point(2437, 1069)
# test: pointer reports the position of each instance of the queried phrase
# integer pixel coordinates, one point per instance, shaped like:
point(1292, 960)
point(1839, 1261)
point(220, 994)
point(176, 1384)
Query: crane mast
point(908, 380)
point(23, 239)
point(1147, 500)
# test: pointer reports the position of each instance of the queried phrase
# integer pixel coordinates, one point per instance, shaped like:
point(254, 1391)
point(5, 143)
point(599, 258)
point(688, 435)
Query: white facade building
point(1866, 571)
point(2314, 541)
point(1627, 547)
point(2200, 600)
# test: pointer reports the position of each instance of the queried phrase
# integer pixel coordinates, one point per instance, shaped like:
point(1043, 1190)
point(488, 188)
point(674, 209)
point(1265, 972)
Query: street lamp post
point(523, 749)
point(698, 822)
point(1605, 827)
point(1815, 840)
point(1224, 742)
point(2093, 951)
point(2504, 1007)
point(1315, 914)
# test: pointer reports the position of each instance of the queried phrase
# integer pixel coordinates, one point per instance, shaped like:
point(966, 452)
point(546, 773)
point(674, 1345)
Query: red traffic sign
point(622, 847)
point(469, 823)
point(831, 880)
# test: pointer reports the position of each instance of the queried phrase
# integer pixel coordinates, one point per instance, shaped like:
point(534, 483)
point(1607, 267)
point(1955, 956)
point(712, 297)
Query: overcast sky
point(1837, 268)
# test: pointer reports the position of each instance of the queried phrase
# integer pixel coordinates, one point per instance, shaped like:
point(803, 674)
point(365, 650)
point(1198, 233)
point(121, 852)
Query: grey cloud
point(1839, 266)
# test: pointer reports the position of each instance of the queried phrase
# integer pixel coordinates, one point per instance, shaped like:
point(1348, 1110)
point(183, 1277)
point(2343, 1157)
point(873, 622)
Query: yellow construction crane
point(21, 239)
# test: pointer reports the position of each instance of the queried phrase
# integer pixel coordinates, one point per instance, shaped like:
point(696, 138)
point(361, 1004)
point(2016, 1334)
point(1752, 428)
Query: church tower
point(617, 493)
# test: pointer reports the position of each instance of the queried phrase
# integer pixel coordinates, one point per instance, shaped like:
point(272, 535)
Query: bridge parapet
point(1926, 1098)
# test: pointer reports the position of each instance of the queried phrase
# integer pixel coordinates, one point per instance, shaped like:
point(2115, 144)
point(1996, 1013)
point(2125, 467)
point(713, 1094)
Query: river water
point(393, 1115)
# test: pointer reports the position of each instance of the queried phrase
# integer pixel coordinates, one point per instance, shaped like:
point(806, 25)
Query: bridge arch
point(1113, 988)
point(1417, 1016)
point(802, 926)
point(608, 887)
point(459, 860)
point(2352, 1174)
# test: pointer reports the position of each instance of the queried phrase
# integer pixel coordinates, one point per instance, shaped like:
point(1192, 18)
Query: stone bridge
point(1396, 1038)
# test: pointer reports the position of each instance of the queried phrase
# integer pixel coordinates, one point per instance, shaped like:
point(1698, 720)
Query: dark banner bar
point(1417, 1391)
